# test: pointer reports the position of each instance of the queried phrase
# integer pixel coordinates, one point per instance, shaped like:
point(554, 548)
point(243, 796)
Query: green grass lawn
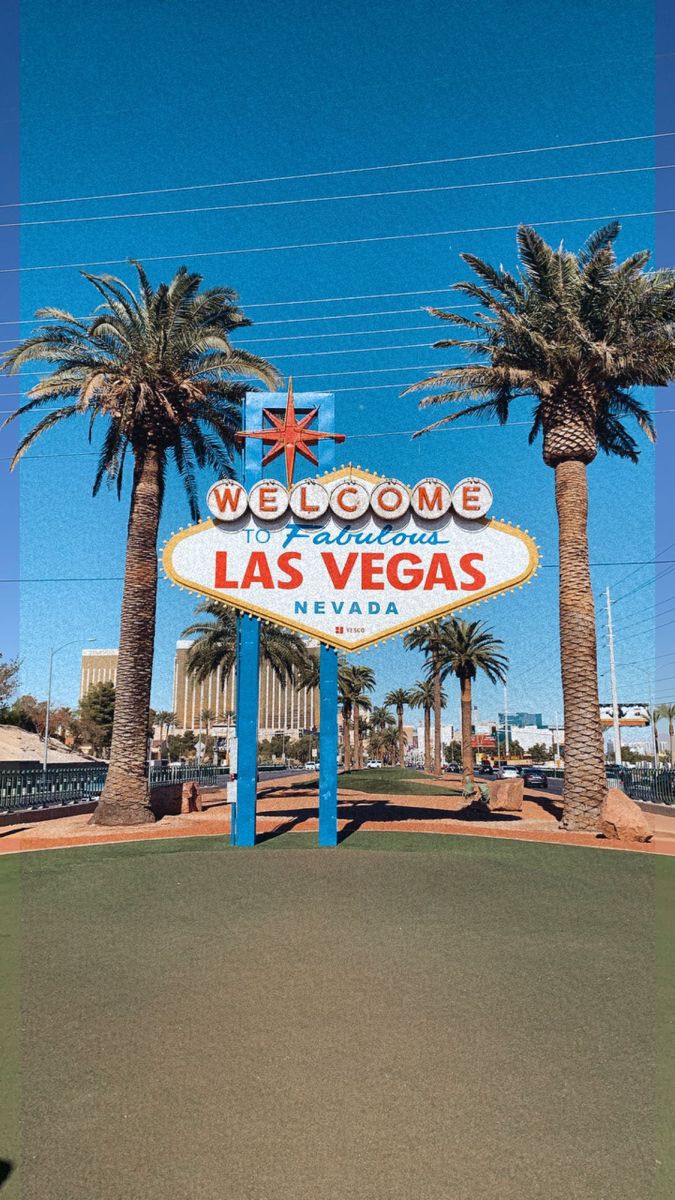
point(391, 781)
point(408, 1017)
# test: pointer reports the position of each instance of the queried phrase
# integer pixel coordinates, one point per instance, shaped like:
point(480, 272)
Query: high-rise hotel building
point(281, 707)
point(98, 666)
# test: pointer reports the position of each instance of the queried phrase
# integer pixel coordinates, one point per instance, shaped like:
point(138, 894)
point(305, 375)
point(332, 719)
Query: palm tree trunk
point(401, 747)
point(427, 740)
point(358, 753)
point(125, 799)
point(670, 742)
point(346, 743)
point(585, 784)
point(437, 714)
point(465, 706)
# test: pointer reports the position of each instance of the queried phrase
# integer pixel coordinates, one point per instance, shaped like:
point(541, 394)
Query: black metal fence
point(645, 783)
point(25, 786)
point(649, 784)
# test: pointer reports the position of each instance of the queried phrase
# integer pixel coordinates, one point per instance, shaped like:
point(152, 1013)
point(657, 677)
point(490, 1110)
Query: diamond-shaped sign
point(349, 582)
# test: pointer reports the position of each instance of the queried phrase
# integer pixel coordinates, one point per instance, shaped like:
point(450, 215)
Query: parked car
point(311, 766)
point(374, 764)
point(486, 769)
point(535, 777)
point(452, 768)
point(509, 773)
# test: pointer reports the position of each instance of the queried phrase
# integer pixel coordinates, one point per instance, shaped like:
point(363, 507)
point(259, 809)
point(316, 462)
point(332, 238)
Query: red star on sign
point(290, 436)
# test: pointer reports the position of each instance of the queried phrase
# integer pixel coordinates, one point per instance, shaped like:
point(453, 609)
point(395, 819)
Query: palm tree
point(391, 741)
point(154, 366)
point(207, 715)
point(345, 700)
point(654, 718)
point(429, 639)
point(381, 719)
point(165, 719)
point(424, 695)
point(398, 698)
point(215, 645)
point(667, 711)
point(575, 332)
point(470, 648)
point(363, 681)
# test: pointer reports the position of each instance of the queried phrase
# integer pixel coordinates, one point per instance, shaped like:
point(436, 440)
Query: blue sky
point(160, 95)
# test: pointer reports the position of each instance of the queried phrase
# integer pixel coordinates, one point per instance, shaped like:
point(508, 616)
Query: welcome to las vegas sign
point(350, 557)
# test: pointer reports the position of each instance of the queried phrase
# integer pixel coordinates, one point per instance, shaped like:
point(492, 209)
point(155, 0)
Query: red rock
point(622, 820)
point(174, 799)
point(506, 795)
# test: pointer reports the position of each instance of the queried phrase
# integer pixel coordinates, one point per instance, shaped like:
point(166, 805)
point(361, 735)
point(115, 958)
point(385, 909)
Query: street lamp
point(52, 653)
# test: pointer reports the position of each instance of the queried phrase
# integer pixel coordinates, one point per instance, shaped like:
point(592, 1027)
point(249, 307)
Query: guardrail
point(650, 784)
point(27, 786)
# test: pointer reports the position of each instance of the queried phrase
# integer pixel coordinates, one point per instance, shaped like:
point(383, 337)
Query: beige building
point(98, 666)
point(280, 708)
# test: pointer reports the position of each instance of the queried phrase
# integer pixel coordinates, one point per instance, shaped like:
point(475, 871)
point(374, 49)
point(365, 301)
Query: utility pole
point(506, 724)
point(557, 741)
point(49, 704)
point(612, 675)
point(52, 653)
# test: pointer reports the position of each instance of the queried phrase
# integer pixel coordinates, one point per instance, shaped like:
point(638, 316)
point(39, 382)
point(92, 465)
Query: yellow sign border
point(330, 640)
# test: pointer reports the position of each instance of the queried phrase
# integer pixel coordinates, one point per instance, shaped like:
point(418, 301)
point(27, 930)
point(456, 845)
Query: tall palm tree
point(398, 698)
point(654, 718)
point(215, 645)
point(470, 648)
point(391, 742)
point(424, 696)
point(667, 711)
point(575, 332)
point(363, 681)
point(165, 719)
point(207, 715)
point(429, 639)
point(381, 719)
point(154, 367)
point(346, 702)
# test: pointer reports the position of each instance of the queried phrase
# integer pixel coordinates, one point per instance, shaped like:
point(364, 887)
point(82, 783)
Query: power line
point(293, 303)
point(640, 586)
point(428, 162)
point(324, 353)
point(624, 577)
point(390, 237)
point(303, 337)
point(320, 375)
point(648, 620)
point(291, 203)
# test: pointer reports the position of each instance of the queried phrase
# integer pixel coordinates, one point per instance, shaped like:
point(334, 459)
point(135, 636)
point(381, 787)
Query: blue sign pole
point(328, 747)
point(248, 650)
point(248, 661)
point(328, 675)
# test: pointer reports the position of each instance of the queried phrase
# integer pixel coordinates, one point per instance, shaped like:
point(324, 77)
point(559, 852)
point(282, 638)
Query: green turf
point(406, 1017)
point(392, 781)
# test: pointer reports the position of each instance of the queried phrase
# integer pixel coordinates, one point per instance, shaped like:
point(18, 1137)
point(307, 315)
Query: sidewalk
point(291, 805)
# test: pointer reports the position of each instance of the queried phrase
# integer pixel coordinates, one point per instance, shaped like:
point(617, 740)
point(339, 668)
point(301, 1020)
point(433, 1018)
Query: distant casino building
point(281, 707)
point(98, 666)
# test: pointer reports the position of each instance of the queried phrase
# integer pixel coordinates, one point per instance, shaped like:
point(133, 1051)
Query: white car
point(374, 764)
point(311, 766)
point(509, 773)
